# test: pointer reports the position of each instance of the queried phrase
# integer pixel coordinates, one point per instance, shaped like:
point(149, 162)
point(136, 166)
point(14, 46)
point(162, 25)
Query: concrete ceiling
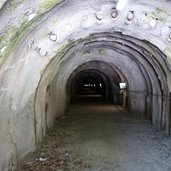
point(44, 42)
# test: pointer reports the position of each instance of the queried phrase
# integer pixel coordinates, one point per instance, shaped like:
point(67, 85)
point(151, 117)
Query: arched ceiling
point(42, 17)
point(42, 42)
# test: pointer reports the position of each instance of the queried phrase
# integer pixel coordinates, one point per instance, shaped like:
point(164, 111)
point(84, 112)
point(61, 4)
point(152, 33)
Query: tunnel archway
point(143, 65)
point(88, 83)
point(46, 46)
point(108, 75)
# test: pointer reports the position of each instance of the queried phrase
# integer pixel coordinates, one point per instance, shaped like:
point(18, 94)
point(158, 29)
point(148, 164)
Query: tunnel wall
point(29, 45)
point(138, 84)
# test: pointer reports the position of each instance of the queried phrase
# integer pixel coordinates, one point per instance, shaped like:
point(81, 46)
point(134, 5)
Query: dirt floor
point(97, 136)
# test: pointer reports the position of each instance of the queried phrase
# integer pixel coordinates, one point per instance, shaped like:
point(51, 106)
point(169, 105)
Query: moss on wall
point(161, 10)
point(11, 37)
point(161, 14)
point(12, 5)
point(48, 4)
point(30, 102)
point(167, 52)
point(13, 33)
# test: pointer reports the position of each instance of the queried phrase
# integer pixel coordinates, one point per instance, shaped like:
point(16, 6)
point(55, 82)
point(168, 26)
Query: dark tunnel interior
point(97, 80)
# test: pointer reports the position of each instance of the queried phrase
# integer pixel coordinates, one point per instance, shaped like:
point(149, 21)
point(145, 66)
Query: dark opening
point(97, 81)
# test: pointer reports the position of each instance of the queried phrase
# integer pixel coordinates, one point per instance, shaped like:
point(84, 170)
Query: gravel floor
point(97, 136)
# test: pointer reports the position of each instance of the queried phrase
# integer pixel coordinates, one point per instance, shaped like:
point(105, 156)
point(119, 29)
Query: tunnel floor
point(94, 135)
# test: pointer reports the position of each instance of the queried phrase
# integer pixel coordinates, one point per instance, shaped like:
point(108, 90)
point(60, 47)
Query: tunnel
point(55, 54)
point(96, 78)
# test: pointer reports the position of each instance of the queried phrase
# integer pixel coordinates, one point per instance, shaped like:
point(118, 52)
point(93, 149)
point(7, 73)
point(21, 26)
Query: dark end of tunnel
point(94, 84)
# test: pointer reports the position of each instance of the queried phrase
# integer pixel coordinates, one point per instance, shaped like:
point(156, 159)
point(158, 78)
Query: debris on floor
point(101, 137)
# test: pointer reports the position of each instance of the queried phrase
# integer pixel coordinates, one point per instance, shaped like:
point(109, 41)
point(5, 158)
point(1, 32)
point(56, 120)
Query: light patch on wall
point(121, 4)
point(31, 16)
point(122, 85)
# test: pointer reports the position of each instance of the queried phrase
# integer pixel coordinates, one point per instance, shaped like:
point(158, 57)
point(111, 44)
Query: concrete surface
point(94, 135)
point(44, 42)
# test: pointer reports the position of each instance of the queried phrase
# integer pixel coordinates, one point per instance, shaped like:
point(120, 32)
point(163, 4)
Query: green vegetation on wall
point(13, 33)
point(46, 5)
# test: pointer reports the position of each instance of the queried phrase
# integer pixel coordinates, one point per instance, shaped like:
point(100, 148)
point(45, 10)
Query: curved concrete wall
point(43, 43)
